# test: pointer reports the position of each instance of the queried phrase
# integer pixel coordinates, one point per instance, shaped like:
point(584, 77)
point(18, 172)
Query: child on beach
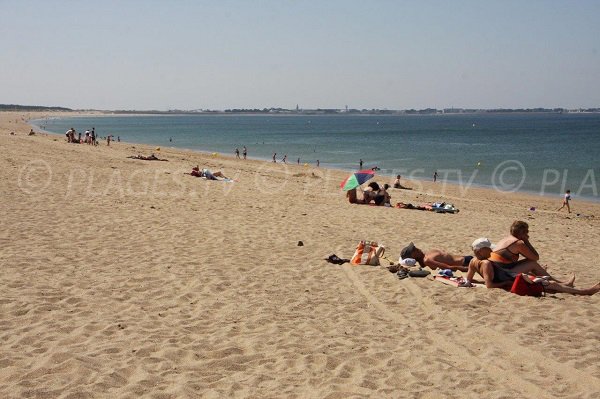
point(566, 201)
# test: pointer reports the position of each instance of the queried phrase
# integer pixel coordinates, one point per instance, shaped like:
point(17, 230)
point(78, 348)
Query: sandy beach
point(128, 278)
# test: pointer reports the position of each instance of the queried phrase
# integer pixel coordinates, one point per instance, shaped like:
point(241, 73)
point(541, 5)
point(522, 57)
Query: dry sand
point(128, 278)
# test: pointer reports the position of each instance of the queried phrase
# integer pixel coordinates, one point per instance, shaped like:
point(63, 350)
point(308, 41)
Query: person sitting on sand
point(370, 193)
point(508, 250)
point(399, 185)
point(373, 193)
point(436, 258)
point(397, 182)
point(386, 196)
point(496, 277)
point(493, 276)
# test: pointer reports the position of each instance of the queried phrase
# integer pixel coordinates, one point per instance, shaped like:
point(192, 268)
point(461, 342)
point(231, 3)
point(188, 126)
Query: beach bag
point(522, 287)
point(367, 253)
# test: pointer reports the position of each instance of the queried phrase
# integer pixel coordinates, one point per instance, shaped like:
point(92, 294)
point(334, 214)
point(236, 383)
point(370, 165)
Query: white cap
point(407, 262)
point(482, 243)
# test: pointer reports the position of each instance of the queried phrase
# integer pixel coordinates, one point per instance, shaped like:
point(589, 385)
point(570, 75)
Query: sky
point(316, 54)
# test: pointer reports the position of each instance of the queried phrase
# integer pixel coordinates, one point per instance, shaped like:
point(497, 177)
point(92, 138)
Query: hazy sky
point(328, 54)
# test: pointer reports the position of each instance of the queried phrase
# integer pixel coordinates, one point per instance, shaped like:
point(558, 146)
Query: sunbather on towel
point(207, 174)
point(436, 258)
point(213, 175)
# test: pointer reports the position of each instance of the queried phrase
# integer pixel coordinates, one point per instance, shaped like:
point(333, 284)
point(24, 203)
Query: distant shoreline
point(316, 111)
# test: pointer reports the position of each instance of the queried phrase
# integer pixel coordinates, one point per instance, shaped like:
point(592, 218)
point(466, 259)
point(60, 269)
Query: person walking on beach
point(566, 201)
point(360, 164)
point(318, 163)
point(94, 136)
point(284, 159)
point(245, 152)
point(108, 140)
point(274, 155)
point(237, 153)
point(435, 176)
point(298, 160)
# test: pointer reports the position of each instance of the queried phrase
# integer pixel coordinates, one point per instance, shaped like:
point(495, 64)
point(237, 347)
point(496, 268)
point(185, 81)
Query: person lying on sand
point(151, 157)
point(207, 174)
point(495, 276)
point(436, 258)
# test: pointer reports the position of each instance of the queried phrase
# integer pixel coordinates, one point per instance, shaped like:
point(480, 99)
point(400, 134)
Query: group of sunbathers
point(374, 194)
point(377, 195)
point(499, 265)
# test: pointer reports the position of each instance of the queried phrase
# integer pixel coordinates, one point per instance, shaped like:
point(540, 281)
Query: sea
point(540, 153)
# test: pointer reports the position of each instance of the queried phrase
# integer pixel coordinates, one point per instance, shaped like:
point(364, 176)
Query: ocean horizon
point(543, 154)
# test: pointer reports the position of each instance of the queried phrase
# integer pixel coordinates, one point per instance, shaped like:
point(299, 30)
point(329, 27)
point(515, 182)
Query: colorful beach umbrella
point(356, 179)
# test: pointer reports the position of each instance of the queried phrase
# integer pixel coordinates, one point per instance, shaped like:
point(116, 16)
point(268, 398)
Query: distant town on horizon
point(301, 111)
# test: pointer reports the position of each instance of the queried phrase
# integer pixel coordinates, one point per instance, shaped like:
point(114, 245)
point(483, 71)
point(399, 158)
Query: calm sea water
point(541, 153)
